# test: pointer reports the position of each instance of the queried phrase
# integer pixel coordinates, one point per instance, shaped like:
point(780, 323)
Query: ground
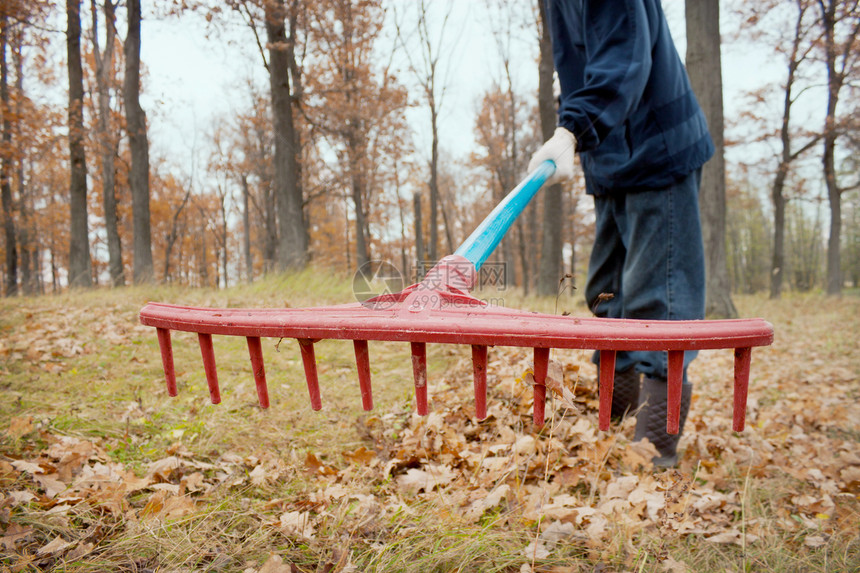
point(101, 470)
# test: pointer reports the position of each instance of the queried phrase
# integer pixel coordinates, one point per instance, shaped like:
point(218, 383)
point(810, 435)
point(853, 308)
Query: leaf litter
point(568, 483)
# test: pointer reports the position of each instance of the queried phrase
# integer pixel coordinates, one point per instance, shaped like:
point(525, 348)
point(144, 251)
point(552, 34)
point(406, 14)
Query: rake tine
point(209, 366)
point(675, 379)
point(607, 385)
point(742, 380)
point(167, 360)
point(310, 363)
point(362, 363)
point(541, 357)
point(255, 349)
point(479, 366)
point(419, 371)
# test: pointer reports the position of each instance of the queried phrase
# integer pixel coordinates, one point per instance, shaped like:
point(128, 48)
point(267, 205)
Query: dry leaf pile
point(579, 483)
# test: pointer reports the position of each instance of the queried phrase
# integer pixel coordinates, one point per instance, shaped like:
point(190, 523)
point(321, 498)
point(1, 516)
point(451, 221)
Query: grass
point(110, 391)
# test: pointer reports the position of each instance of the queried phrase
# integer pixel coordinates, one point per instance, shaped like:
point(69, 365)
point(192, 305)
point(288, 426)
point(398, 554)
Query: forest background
point(271, 135)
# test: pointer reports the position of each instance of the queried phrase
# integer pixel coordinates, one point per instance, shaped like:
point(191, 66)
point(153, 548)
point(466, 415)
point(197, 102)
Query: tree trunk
point(293, 239)
point(835, 80)
point(11, 271)
point(362, 252)
point(246, 230)
point(173, 236)
point(139, 173)
point(704, 67)
point(224, 236)
point(443, 207)
point(80, 265)
point(404, 262)
point(524, 258)
point(778, 262)
point(552, 243)
point(26, 234)
point(104, 71)
point(434, 181)
point(419, 233)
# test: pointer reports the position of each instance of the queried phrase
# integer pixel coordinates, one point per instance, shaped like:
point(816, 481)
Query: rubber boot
point(651, 420)
point(625, 393)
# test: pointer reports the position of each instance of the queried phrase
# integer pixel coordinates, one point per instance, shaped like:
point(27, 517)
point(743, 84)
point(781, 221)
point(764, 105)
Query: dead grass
point(78, 369)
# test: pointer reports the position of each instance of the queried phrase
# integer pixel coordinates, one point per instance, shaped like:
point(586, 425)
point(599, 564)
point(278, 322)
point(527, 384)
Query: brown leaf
point(316, 466)
point(360, 456)
point(297, 523)
point(51, 484)
point(29, 467)
point(555, 382)
point(670, 565)
point(731, 536)
point(162, 469)
point(416, 480)
point(177, 506)
point(15, 533)
point(81, 550)
point(132, 483)
point(58, 545)
point(274, 564)
point(20, 426)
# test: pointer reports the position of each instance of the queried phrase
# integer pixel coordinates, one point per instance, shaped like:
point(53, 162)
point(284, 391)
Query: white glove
point(560, 149)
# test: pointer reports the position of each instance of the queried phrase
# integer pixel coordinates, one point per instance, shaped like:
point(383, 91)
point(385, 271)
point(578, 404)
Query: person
point(628, 110)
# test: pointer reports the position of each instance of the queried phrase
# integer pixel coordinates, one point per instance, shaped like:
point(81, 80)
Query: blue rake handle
point(483, 240)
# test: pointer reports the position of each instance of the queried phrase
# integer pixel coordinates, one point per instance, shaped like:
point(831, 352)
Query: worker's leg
point(663, 279)
point(603, 293)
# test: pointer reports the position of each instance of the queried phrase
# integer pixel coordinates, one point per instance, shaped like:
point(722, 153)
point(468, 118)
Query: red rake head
point(441, 310)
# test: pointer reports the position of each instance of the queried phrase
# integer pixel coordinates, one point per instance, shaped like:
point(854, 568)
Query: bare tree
point(11, 268)
point(551, 259)
point(293, 237)
point(139, 146)
point(797, 55)
point(107, 143)
point(840, 22)
point(80, 265)
point(704, 67)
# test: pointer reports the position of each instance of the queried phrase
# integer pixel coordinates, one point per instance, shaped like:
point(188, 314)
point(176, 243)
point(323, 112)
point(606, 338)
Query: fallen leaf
point(15, 533)
point(51, 485)
point(29, 467)
point(297, 523)
point(177, 506)
point(162, 469)
point(556, 532)
point(732, 536)
point(274, 564)
point(22, 496)
point(80, 551)
point(316, 466)
point(20, 426)
point(535, 550)
point(58, 545)
point(360, 456)
point(416, 480)
point(670, 565)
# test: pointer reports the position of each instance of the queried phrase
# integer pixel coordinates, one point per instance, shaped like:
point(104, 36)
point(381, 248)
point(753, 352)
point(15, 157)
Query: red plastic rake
point(440, 309)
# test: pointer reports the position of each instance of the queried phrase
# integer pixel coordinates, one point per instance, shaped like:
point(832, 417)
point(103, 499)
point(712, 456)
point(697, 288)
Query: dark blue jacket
point(625, 94)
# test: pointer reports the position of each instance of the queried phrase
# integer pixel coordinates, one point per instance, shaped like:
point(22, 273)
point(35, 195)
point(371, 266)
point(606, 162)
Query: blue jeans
point(648, 254)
